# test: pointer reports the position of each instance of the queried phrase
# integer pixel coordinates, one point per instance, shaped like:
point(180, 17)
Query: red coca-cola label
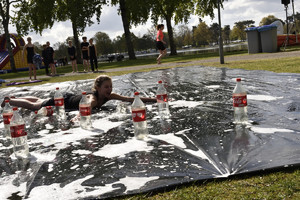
point(162, 98)
point(239, 101)
point(59, 102)
point(7, 117)
point(85, 110)
point(49, 110)
point(18, 131)
point(139, 115)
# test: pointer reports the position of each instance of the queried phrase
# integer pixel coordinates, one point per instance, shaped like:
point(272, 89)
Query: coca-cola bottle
point(85, 112)
point(162, 101)
point(46, 111)
point(240, 103)
point(7, 115)
point(138, 111)
point(59, 104)
point(18, 135)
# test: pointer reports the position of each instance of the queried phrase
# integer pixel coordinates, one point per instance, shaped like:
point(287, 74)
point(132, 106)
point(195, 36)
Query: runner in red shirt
point(160, 43)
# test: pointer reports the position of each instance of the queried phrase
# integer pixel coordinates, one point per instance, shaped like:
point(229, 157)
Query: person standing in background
point(160, 43)
point(72, 54)
point(93, 55)
point(50, 58)
point(29, 47)
point(44, 56)
point(85, 54)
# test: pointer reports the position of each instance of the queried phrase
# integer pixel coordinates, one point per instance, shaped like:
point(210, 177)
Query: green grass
point(284, 184)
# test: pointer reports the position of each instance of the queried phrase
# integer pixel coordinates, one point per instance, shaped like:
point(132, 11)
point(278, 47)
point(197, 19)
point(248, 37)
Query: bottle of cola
point(240, 103)
point(18, 135)
point(85, 112)
point(59, 104)
point(138, 111)
point(46, 111)
point(7, 115)
point(162, 101)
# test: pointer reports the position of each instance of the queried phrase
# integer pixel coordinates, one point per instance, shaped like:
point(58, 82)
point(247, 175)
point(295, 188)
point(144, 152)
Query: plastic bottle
point(7, 115)
point(46, 111)
point(162, 101)
point(18, 135)
point(59, 104)
point(85, 112)
point(240, 103)
point(138, 111)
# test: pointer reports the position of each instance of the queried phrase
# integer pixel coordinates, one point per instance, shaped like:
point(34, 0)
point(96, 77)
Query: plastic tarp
point(198, 142)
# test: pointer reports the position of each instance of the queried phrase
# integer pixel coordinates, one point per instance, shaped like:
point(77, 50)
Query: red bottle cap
point(6, 100)
point(238, 79)
point(57, 88)
point(12, 97)
point(136, 93)
point(35, 111)
point(159, 81)
point(15, 108)
point(83, 93)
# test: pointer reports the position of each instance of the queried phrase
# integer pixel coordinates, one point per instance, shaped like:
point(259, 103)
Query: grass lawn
point(282, 184)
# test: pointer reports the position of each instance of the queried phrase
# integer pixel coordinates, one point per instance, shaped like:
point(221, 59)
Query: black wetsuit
point(72, 52)
point(93, 57)
point(30, 54)
point(71, 101)
point(85, 53)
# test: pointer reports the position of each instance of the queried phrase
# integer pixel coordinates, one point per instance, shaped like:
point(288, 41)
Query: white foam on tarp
point(269, 130)
point(7, 187)
point(182, 103)
point(134, 183)
point(82, 152)
point(263, 98)
point(120, 150)
point(171, 139)
point(213, 86)
point(105, 124)
point(73, 190)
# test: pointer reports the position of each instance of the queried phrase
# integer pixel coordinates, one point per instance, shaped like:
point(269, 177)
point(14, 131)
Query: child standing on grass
point(29, 47)
point(85, 54)
point(72, 54)
point(93, 55)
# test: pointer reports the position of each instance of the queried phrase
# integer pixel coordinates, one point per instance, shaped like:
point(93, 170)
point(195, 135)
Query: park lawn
point(281, 184)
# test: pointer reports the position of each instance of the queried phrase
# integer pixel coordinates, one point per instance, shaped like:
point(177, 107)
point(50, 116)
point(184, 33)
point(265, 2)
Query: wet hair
point(159, 26)
point(99, 81)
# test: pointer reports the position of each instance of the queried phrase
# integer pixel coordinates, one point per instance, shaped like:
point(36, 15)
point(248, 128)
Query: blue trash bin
point(253, 39)
point(268, 36)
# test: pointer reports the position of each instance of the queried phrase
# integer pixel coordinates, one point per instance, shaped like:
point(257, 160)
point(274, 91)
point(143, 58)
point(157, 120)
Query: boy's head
point(70, 42)
point(91, 40)
point(84, 38)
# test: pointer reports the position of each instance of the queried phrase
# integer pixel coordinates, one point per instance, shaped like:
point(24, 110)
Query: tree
point(202, 34)
point(39, 15)
point(5, 20)
point(238, 31)
point(183, 36)
point(268, 20)
point(178, 10)
point(103, 43)
point(226, 34)
point(214, 30)
point(133, 12)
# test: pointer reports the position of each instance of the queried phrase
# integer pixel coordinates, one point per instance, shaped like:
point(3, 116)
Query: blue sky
point(234, 10)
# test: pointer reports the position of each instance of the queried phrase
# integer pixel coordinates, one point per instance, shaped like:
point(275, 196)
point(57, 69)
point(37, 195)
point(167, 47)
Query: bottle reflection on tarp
point(22, 172)
point(241, 140)
point(165, 125)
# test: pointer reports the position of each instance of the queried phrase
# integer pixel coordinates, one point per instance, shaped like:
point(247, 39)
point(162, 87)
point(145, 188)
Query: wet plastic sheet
point(198, 142)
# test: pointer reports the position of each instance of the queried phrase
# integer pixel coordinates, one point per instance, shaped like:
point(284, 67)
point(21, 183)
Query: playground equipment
point(17, 46)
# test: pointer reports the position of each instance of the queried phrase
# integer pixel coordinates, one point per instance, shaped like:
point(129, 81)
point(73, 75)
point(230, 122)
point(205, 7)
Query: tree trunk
point(126, 25)
point(77, 45)
point(171, 37)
